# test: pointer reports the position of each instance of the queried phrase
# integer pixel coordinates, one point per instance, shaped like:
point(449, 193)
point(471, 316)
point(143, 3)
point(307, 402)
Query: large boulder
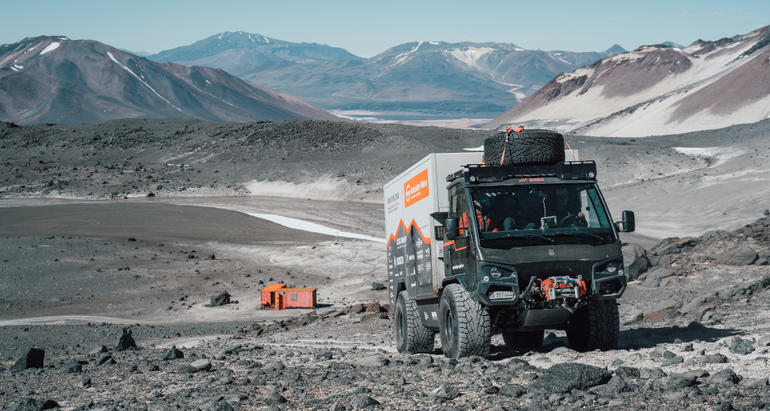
point(222, 298)
point(33, 358)
point(763, 257)
point(654, 277)
point(126, 341)
point(740, 255)
point(565, 377)
point(33, 404)
point(635, 260)
point(740, 346)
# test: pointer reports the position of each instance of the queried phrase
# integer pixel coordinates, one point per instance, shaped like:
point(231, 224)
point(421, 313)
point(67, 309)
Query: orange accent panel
point(448, 243)
point(392, 236)
point(416, 188)
point(461, 248)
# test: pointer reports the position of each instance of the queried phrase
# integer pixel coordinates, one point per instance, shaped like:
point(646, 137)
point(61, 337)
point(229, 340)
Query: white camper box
point(410, 199)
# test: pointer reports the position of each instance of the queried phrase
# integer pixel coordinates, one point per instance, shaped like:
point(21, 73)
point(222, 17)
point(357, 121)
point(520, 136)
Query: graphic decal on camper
point(409, 259)
point(416, 188)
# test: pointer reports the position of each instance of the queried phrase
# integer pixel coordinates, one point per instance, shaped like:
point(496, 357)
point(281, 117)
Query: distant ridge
point(54, 79)
point(424, 78)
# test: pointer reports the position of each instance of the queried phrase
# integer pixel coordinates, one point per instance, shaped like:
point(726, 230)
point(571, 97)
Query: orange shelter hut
point(279, 297)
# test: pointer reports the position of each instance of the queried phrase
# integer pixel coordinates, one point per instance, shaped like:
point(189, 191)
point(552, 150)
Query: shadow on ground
point(646, 337)
point(633, 339)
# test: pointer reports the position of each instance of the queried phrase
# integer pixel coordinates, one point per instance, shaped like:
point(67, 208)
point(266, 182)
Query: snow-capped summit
point(657, 89)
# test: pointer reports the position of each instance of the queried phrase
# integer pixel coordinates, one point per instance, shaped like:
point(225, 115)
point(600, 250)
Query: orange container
point(296, 298)
point(268, 294)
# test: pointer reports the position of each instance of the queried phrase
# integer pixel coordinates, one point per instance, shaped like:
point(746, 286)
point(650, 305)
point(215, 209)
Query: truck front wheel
point(464, 324)
point(595, 326)
point(410, 335)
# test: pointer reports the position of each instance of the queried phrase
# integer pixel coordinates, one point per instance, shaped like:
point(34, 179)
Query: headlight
point(495, 272)
point(611, 268)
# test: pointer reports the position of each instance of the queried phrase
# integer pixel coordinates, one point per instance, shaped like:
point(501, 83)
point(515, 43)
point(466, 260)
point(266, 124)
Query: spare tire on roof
point(525, 147)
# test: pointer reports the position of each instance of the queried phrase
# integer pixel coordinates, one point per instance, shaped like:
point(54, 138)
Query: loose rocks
point(445, 392)
point(635, 258)
point(107, 360)
point(72, 368)
point(653, 278)
point(364, 401)
point(201, 365)
point(512, 390)
point(173, 353)
point(84, 381)
point(378, 286)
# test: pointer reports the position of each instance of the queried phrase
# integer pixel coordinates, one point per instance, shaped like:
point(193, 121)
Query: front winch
point(554, 288)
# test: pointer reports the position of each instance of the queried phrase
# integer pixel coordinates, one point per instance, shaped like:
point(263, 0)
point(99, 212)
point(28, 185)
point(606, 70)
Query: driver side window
point(460, 209)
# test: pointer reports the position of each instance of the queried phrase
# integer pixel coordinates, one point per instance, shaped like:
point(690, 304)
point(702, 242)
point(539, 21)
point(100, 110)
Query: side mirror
point(451, 228)
point(629, 222)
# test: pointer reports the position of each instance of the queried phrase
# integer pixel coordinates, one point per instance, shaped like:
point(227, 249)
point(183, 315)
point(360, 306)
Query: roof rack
point(567, 170)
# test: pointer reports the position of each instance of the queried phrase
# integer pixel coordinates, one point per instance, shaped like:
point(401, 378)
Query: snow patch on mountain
point(721, 154)
point(583, 71)
point(109, 54)
point(402, 57)
point(51, 47)
point(470, 55)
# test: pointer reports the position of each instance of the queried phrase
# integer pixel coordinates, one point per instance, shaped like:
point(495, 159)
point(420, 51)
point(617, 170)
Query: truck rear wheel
point(523, 341)
point(526, 147)
point(410, 335)
point(464, 324)
point(595, 326)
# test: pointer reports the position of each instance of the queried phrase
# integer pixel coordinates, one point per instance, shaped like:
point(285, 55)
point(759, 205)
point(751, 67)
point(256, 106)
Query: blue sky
point(366, 27)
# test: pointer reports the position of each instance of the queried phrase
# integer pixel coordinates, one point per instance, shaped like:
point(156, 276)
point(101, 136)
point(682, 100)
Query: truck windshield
point(541, 214)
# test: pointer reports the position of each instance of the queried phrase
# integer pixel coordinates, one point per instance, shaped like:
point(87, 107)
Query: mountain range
point(657, 89)
point(412, 80)
point(54, 79)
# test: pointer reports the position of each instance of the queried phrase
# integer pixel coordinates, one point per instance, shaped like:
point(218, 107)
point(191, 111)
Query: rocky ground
point(85, 253)
point(706, 347)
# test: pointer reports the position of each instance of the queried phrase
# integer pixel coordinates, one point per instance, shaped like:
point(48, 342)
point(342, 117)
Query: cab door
point(460, 254)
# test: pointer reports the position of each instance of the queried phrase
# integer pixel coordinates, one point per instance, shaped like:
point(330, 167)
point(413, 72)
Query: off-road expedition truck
point(513, 242)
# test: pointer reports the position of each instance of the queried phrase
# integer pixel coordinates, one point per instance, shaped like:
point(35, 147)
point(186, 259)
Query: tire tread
point(595, 326)
point(418, 338)
point(473, 324)
point(525, 148)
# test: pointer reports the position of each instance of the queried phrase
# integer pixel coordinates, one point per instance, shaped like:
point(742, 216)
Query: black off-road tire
point(595, 326)
point(523, 341)
point(465, 325)
point(525, 148)
point(410, 335)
